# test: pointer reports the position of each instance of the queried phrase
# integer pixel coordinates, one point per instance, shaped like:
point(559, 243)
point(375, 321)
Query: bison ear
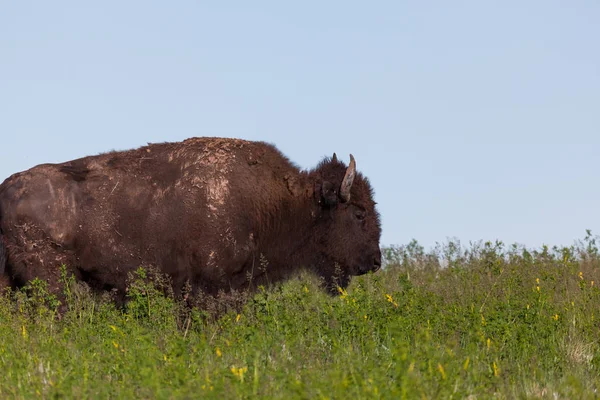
point(293, 185)
point(329, 194)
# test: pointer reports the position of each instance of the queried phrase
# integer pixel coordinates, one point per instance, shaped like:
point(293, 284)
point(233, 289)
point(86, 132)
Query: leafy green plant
point(482, 321)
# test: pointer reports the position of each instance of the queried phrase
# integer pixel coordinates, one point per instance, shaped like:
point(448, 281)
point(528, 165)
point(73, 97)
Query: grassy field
point(478, 322)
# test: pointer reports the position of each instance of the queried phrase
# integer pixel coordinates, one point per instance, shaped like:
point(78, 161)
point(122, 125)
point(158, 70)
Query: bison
point(212, 213)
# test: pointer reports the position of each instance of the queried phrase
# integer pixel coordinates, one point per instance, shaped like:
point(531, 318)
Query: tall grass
point(477, 322)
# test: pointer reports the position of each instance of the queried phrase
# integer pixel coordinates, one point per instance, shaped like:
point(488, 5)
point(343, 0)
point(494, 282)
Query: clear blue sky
point(473, 119)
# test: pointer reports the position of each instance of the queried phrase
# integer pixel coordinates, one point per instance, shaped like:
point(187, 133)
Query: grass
point(478, 322)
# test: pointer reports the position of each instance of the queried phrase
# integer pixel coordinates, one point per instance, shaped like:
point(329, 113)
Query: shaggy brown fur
point(220, 214)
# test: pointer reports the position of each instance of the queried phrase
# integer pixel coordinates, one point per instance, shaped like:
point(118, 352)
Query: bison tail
point(3, 256)
point(4, 278)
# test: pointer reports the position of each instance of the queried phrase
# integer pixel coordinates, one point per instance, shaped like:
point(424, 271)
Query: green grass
point(493, 322)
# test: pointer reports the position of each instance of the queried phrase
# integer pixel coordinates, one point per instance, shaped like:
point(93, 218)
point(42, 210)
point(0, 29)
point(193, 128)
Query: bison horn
point(334, 158)
point(348, 180)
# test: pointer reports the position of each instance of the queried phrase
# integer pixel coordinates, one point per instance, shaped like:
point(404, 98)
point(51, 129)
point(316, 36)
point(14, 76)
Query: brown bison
point(217, 214)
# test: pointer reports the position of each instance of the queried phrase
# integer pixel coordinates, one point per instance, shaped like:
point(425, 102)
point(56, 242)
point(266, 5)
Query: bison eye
point(360, 215)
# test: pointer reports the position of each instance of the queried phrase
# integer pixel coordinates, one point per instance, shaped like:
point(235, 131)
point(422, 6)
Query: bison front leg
point(336, 284)
point(334, 278)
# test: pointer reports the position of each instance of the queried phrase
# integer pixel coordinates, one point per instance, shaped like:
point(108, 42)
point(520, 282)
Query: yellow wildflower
point(391, 300)
point(239, 372)
point(496, 369)
point(441, 368)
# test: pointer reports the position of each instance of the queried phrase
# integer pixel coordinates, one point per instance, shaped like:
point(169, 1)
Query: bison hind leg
point(5, 283)
point(42, 261)
point(4, 278)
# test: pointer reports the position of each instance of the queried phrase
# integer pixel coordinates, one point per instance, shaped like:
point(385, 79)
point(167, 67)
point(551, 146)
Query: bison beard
point(217, 214)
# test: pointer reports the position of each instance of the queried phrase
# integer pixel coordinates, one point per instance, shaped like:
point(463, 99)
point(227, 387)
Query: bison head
point(349, 227)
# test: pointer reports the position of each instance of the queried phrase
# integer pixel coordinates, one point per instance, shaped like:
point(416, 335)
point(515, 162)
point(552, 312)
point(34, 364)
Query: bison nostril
point(376, 264)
